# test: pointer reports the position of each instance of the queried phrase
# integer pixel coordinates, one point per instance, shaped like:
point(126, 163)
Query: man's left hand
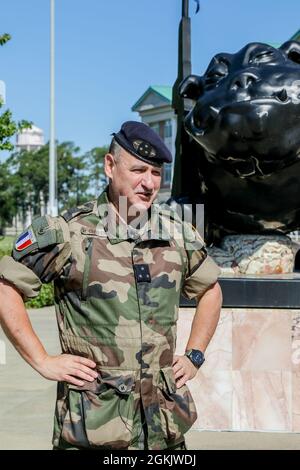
point(183, 369)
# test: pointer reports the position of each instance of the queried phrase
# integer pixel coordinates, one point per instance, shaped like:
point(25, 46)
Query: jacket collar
point(152, 227)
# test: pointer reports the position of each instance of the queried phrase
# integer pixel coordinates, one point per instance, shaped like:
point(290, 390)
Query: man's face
point(132, 178)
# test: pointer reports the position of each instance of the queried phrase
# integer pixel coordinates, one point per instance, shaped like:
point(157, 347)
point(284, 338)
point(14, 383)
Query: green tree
point(72, 177)
point(7, 205)
point(8, 127)
point(95, 164)
point(29, 177)
point(4, 38)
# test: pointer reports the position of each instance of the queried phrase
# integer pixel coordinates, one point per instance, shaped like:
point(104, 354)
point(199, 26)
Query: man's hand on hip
point(67, 368)
point(183, 370)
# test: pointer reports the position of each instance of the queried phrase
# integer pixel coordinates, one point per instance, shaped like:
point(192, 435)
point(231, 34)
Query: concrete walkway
point(27, 403)
point(27, 399)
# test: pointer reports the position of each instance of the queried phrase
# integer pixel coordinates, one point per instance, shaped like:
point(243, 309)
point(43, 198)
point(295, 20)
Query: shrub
point(6, 244)
point(44, 299)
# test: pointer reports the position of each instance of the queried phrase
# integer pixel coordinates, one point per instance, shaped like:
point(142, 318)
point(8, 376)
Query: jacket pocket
point(177, 407)
point(100, 414)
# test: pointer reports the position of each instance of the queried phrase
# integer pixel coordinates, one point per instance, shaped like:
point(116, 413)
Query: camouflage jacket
point(116, 300)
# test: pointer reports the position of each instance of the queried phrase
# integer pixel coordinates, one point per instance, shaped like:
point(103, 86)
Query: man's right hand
point(16, 324)
point(67, 368)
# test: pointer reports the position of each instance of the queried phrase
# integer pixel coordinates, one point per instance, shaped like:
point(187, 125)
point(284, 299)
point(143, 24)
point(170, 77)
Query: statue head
point(246, 114)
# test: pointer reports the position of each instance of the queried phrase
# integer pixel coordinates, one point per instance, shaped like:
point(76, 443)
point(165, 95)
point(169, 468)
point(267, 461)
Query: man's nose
point(243, 80)
point(147, 181)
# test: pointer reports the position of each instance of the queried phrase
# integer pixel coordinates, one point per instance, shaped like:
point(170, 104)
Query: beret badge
point(144, 149)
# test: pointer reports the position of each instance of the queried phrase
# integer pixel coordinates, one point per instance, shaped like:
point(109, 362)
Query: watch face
point(197, 357)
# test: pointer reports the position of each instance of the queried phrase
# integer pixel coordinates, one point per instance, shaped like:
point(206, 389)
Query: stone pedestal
point(255, 254)
point(250, 380)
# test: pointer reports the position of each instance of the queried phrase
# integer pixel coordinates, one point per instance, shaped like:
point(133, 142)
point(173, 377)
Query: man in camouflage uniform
point(117, 288)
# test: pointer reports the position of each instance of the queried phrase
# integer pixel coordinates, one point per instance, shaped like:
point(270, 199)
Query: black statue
point(246, 123)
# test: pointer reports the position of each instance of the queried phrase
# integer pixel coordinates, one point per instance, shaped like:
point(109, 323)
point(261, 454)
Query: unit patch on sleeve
point(25, 240)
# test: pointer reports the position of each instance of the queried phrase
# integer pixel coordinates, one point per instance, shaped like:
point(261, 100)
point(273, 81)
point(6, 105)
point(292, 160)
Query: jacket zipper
point(87, 267)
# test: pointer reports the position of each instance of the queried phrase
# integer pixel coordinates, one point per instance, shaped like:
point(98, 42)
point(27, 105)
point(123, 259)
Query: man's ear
point(109, 164)
point(292, 50)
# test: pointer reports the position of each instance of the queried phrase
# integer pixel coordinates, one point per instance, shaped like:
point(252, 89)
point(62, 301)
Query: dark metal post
point(178, 103)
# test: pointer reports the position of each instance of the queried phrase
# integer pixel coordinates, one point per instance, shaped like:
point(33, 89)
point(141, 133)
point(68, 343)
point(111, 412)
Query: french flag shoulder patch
point(25, 240)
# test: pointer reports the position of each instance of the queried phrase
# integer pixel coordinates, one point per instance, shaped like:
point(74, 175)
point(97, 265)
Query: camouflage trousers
point(141, 443)
point(63, 445)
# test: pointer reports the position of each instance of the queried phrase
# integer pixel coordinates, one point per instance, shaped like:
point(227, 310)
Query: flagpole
point(52, 149)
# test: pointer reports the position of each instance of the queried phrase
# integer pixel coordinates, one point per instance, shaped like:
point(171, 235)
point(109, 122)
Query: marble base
point(250, 380)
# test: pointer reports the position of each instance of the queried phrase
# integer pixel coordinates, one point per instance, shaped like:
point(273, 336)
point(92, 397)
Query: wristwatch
point(195, 356)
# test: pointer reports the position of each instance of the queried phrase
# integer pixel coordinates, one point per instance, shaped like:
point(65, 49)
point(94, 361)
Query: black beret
point(143, 142)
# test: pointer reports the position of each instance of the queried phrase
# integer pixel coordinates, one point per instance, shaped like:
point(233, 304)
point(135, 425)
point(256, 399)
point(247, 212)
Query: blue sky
point(109, 51)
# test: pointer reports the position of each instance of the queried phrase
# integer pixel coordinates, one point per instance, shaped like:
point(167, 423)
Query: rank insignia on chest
point(25, 240)
point(142, 273)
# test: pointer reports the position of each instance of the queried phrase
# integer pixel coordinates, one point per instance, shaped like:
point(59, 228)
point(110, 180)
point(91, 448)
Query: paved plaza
point(27, 403)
